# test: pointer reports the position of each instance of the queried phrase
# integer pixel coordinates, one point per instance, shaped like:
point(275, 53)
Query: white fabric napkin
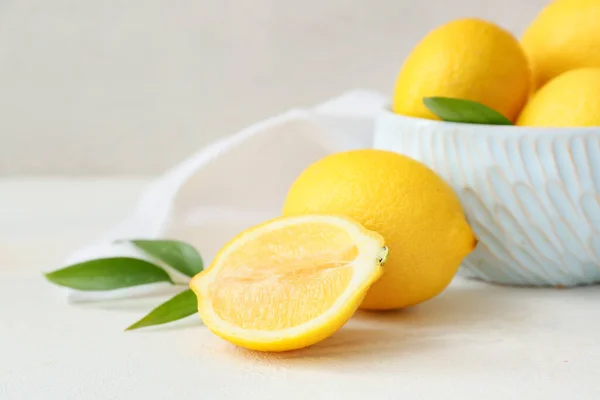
point(235, 183)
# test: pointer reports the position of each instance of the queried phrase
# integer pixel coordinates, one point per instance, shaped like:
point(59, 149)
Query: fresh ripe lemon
point(290, 282)
point(417, 213)
point(468, 59)
point(569, 100)
point(564, 36)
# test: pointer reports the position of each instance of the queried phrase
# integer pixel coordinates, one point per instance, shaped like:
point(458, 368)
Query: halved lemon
point(290, 282)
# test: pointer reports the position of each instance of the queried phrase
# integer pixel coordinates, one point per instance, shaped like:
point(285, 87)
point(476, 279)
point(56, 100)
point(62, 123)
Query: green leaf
point(178, 307)
point(181, 256)
point(108, 274)
point(464, 111)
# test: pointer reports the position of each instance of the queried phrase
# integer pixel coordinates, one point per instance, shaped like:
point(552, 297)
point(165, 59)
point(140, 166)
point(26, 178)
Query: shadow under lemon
point(370, 337)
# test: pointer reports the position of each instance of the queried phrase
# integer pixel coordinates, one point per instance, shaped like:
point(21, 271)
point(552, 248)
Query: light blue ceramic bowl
point(532, 195)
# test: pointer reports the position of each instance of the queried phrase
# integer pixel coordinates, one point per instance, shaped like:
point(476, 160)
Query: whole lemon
point(469, 59)
point(565, 35)
point(417, 213)
point(570, 99)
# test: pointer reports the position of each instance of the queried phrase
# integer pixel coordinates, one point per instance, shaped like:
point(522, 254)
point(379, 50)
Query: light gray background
point(131, 87)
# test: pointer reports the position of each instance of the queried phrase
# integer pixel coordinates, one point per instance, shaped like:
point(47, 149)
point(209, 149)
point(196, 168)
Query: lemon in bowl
point(570, 99)
point(565, 35)
point(470, 59)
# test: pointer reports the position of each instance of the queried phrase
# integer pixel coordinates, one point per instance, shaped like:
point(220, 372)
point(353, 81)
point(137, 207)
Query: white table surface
point(475, 341)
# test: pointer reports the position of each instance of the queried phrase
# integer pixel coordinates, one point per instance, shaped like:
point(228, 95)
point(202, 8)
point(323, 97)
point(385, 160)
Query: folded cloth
point(236, 182)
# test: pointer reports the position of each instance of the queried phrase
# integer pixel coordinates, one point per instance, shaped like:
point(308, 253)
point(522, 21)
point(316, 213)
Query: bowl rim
point(487, 129)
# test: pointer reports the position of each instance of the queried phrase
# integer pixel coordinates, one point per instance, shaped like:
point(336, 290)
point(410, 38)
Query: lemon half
point(290, 282)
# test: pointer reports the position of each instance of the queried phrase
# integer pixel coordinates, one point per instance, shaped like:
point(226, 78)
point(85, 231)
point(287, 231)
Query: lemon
point(290, 282)
point(469, 59)
point(564, 36)
point(416, 212)
point(569, 100)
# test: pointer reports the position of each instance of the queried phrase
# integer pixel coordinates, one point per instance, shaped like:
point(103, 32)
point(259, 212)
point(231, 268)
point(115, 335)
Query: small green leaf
point(181, 256)
point(178, 307)
point(464, 111)
point(108, 274)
